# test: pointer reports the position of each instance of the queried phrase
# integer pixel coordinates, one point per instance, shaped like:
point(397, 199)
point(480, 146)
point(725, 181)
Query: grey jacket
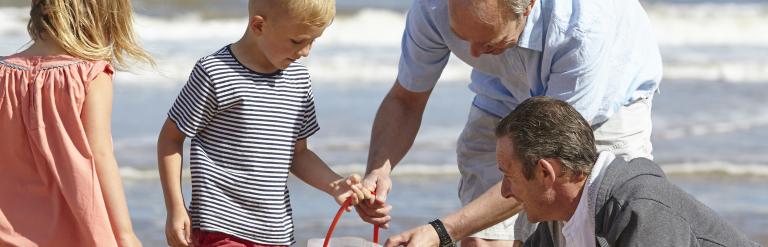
point(638, 206)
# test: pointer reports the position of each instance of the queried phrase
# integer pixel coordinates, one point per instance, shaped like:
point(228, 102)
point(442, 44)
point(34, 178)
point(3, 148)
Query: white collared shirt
point(580, 229)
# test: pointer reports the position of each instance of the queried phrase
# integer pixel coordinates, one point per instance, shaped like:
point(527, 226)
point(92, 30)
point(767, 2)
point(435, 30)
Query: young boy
point(249, 110)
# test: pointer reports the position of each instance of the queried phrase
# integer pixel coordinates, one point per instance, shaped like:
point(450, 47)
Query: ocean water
point(710, 119)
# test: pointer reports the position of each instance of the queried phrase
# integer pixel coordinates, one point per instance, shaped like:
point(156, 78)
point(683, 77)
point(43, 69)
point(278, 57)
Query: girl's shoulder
point(66, 64)
point(27, 62)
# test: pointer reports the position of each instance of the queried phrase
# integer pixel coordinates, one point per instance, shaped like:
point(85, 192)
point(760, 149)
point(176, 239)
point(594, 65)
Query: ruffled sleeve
point(91, 70)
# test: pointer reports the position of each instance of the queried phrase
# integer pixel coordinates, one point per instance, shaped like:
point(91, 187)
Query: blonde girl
point(59, 181)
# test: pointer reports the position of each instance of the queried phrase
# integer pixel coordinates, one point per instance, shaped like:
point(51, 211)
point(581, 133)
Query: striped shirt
point(244, 126)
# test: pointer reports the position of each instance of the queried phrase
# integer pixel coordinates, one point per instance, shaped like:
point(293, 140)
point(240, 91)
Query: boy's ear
point(256, 25)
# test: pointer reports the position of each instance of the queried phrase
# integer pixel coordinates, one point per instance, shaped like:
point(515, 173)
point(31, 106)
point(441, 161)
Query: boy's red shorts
point(202, 238)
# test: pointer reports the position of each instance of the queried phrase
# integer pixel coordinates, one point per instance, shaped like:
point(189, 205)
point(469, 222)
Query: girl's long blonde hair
point(89, 29)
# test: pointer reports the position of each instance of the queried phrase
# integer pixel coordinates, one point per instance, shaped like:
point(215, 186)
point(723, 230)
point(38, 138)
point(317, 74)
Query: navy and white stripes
point(243, 127)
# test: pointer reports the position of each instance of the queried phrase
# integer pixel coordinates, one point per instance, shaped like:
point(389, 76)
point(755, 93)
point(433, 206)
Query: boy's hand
point(350, 187)
point(178, 228)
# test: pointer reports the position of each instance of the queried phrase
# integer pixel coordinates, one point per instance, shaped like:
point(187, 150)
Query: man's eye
point(296, 42)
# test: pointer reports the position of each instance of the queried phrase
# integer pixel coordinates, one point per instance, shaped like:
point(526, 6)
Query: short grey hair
point(544, 127)
point(517, 6)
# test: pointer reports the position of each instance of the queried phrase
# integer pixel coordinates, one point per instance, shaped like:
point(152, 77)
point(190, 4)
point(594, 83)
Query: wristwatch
point(442, 234)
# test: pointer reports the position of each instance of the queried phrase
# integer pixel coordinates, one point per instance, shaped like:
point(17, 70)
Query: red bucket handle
point(336, 220)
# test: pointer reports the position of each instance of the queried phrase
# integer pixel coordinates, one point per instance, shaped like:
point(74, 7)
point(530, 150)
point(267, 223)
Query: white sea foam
point(424, 170)
point(724, 72)
point(430, 170)
point(133, 173)
point(716, 167)
point(698, 42)
point(710, 24)
point(713, 126)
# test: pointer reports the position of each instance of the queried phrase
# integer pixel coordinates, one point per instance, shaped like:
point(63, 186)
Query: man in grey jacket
point(546, 151)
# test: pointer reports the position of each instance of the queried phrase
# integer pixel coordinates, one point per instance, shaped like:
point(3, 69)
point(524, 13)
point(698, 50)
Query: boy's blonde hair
point(89, 29)
point(311, 12)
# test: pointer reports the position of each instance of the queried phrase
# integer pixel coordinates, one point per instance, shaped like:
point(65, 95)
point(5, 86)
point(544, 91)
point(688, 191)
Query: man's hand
point(380, 183)
point(394, 130)
point(423, 235)
point(376, 210)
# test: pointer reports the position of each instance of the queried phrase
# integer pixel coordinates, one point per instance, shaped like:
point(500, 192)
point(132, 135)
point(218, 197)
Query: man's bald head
point(488, 11)
point(489, 26)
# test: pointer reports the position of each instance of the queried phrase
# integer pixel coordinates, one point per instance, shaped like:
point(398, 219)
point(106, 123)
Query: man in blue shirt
point(599, 56)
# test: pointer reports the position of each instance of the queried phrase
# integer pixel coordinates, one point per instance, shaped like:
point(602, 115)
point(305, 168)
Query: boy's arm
point(170, 146)
point(308, 167)
point(97, 121)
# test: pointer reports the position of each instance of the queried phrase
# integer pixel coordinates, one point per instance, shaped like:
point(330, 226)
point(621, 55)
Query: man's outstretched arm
point(394, 129)
point(487, 210)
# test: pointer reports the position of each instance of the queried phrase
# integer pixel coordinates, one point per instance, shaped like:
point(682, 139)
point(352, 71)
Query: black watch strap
point(442, 234)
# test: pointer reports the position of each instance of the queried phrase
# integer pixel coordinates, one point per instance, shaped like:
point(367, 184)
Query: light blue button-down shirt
point(595, 55)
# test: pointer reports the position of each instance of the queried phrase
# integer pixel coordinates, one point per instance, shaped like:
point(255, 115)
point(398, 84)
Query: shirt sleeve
point(575, 73)
point(97, 68)
point(424, 53)
point(196, 104)
point(94, 70)
point(309, 124)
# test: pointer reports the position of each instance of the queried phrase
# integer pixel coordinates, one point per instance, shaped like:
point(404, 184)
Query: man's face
point(532, 193)
point(490, 35)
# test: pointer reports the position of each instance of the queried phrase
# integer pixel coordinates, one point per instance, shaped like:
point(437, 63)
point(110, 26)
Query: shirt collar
point(532, 36)
point(604, 159)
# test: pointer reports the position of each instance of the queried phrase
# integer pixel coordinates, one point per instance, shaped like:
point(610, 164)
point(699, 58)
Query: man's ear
point(528, 9)
point(256, 24)
point(547, 171)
